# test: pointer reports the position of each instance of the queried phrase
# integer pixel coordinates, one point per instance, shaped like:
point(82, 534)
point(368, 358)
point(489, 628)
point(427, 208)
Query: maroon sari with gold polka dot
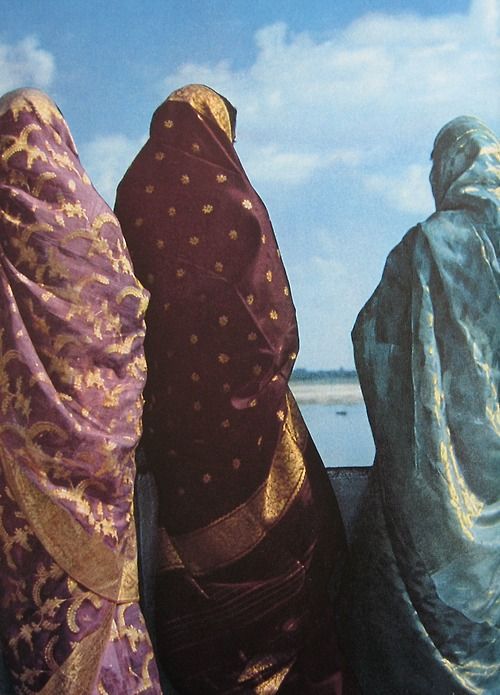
point(250, 531)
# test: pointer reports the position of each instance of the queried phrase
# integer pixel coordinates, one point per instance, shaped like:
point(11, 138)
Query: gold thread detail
point(231, 537)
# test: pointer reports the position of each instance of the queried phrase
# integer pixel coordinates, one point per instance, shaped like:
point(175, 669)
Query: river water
point(340, 430)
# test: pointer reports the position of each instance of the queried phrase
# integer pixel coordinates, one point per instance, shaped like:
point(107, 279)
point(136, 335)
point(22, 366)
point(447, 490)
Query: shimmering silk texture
point(71, 373)
point(250, 528)
point(424, 607)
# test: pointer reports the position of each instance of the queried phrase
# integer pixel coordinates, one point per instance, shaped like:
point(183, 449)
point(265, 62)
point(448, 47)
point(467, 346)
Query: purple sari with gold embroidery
point(71, 374)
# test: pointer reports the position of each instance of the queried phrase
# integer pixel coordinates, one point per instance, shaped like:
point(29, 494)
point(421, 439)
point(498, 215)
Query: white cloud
point(25, 64)
point(269, 163)
point(408, 190)
point(363, 103)
point(336, 132)
point(106, 159)
point(382, 87)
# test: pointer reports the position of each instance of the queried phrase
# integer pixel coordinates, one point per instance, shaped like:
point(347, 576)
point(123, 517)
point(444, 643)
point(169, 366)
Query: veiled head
point(465, 155)
point(209, 103)
point(36, 107)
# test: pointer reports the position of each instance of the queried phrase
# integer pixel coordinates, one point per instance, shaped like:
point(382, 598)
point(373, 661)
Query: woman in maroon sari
point(71, 375)
point(250, 529)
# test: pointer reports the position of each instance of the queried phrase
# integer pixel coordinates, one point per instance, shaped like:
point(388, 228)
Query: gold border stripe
point(82, 555)
point(227, 539)
point(79, 673)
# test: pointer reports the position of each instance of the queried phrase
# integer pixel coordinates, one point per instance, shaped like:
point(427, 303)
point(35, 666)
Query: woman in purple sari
point(71, 374)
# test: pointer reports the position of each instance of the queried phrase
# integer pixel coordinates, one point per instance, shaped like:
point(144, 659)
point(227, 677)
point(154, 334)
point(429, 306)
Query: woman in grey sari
point(422, 600)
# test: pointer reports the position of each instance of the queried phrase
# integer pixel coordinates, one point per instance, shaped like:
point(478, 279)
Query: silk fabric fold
point(72, 370)
point(423, 591)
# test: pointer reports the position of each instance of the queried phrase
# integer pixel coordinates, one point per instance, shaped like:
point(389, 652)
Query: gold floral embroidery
point(252, 337)
point(184, 179)
point(273, 314)
point(223, 358)
point(160, 243)
point(149, 188)
point(20, 144)
point(193, 339)
point(168, 124)
point(48, 653)
point(225, 424)
point(269, 276)
point(180, 273)
point(221, 178)
point(33, 101)
point(194, 240)
point(96, 565)
point(247, 204)
point(195, 376)
point(286, 291)
point(195, 148)
point(42, 180)
point(159, 156)
point(250, 299)
point(71, 209)
point(219, 267)
point(233, 234)
point(207, 209)
point(82, 664)
point(257, 369)
point(207, 478)
point(223, 320)
point(172, 212)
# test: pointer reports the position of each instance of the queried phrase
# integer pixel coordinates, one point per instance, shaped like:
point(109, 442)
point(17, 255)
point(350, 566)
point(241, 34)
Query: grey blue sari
point(422, 599)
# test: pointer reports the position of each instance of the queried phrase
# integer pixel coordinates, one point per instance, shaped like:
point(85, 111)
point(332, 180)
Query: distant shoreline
point(320, 392)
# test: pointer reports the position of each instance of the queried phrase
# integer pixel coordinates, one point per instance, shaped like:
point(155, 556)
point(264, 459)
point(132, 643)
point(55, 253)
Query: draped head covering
point(72, 370)
point(464, 172)
point(244, 509)
point(426, 568)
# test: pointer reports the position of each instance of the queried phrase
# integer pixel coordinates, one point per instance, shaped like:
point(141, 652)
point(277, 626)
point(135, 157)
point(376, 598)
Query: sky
point(338, 106)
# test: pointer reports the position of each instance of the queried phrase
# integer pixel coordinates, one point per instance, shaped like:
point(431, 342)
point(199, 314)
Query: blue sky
point(338, 105)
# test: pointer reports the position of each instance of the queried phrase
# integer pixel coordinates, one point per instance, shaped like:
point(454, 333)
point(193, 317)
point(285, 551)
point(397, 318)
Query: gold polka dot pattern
point(220, 326)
